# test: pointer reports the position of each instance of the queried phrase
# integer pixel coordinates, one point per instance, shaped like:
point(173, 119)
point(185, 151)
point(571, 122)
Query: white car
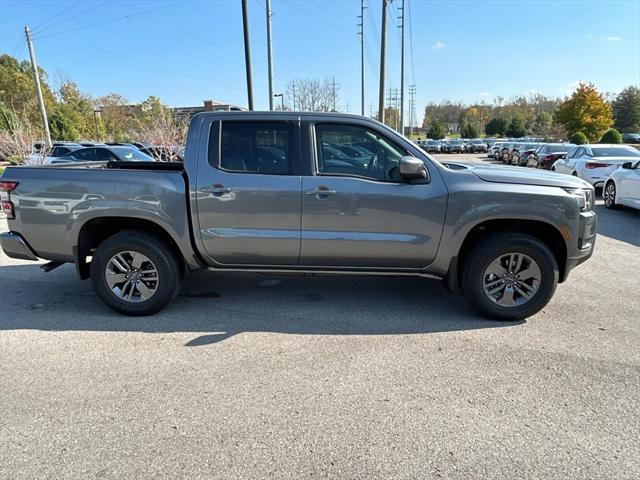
point(623, 186)
point(594, 163)
point(57, 150)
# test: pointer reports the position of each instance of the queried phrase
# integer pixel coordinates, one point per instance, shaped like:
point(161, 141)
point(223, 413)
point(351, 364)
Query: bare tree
point(17, 141)
point(163, 130)
point(311, 95)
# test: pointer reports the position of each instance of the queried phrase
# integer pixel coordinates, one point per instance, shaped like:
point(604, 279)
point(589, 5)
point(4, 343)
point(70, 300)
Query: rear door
point(248, 193)
point(357, 211)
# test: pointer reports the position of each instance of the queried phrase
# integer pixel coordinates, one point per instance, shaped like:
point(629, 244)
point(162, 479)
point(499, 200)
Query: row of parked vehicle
point(613, 167)
point(462, 145)
point(69, 152)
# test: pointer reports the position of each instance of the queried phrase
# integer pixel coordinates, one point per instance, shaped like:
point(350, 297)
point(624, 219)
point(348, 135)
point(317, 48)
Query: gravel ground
point(249, 376)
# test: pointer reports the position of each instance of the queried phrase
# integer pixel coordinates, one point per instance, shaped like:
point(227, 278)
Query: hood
point(528, 176)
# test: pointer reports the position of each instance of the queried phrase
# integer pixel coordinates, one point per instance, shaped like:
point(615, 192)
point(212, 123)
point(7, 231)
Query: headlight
point(585, 197)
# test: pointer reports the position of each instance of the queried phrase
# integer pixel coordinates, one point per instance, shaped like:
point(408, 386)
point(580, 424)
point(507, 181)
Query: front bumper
point(585, 243)
point(15, 246)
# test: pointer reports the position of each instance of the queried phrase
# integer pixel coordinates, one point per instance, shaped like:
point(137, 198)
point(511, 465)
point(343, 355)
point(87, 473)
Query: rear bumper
point(15, 246)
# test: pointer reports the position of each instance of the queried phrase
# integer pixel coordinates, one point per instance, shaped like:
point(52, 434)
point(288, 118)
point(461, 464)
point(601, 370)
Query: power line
point(293, 5)
point(110, 20)
point(57, 15)
point(72, 17)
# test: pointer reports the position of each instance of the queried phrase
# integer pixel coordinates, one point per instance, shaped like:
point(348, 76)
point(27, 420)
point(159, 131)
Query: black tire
point(169, 272)
point(486, 251)
point(609, 195)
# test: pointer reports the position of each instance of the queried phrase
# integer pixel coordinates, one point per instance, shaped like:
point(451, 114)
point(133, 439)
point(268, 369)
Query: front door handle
point(320, 191)
point(216, 190)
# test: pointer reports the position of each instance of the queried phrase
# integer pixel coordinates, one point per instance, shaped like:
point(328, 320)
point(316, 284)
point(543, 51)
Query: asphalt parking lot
point(252, 376)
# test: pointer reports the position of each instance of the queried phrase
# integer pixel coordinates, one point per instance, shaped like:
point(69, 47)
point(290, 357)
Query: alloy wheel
point(132, 276)
point(609, 194)
point(512, 279)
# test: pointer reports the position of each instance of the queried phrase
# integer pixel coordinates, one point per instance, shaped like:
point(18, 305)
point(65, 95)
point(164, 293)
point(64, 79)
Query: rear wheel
point(509, 276)
point(135, 274)
point(609, 195)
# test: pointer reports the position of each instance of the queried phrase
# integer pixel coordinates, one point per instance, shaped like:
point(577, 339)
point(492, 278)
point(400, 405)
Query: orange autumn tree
point(586, 111)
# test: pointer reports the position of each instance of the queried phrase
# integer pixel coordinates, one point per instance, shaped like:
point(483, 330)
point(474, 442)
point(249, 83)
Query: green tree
point(578, 138)
point(626, 110)
point(542, 124)
point(585, 111)
point(436, 130)
point(468, 131)
point(611, 136)
point(516, 128)
point(496, 126)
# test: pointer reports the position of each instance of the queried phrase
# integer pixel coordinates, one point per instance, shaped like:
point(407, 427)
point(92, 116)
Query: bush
point(611, 136)
point(578, 138)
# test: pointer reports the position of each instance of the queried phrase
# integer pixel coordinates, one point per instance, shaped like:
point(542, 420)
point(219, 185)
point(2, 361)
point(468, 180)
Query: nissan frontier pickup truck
point(302, 192)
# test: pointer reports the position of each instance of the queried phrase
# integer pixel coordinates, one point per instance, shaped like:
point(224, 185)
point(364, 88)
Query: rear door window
point(256, 147)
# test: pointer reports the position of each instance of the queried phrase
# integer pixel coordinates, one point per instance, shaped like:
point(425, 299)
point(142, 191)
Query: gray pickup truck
point(302, 192)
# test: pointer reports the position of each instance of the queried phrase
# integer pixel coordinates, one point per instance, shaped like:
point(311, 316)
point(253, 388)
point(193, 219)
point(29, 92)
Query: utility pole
point(371, 110)
point(401, 27)
point(334, 94)
point(361, 33)
point(36, 80)
point(412, 110)
point(247, 53)
point(383, 46)
point(269, 54)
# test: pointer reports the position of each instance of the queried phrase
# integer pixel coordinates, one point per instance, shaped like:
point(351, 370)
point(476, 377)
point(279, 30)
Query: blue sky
point(185, 51)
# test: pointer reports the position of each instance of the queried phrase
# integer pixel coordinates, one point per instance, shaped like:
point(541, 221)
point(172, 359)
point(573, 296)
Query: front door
point(248, 199)
point(356, 209)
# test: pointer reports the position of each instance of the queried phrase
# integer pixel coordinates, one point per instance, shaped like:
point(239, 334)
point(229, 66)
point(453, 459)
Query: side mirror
point(627, 165)
point(412, 168)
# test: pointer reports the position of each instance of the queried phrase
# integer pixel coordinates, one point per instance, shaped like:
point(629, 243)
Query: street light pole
point(247, 53)
point(269, 54)
point(281, 95)
point(96, 113)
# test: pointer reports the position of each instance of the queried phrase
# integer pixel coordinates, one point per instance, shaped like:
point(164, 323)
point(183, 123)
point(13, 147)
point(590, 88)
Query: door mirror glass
point(411, 168)
point(627, 165)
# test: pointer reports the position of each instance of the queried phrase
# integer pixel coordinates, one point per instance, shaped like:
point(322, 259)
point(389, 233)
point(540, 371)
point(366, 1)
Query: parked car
point(547, 154)
point(455, 146)
point(505, 152)
point(521, 153)
point(594, 163)
point(494, 150)
point(136, 229)
point(477, 146)
point(633, 138)
point(43, 157)
point(104, 154)
point(444, 146)
point(433, 146)
point(622, 187)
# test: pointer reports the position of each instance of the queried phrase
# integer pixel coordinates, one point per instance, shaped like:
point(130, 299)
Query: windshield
point(127, 154)
point(614, 152)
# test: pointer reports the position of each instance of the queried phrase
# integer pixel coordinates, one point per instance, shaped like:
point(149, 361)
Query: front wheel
point(509, 276)
point(135, 274)
point(609, 195)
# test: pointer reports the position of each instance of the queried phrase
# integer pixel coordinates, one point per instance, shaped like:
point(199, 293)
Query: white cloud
point(569, 88)
point(484, 94)
point(438, 46)
point(613, 39)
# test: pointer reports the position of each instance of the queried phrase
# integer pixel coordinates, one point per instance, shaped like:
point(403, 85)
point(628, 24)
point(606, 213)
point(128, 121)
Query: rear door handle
point(320, 191)
point(216, 190)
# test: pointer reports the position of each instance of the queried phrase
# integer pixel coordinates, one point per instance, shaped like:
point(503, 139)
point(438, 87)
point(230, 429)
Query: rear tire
point(478, 281)
point(151, 292)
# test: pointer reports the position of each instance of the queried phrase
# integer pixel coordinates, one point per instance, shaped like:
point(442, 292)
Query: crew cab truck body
point(302, 192)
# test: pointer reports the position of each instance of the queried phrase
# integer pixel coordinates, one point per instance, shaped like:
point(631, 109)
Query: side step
point(47, 267)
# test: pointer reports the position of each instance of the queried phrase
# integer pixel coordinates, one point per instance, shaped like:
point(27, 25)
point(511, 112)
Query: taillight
point(8, 186)
point(7, 208)
point(591, 165)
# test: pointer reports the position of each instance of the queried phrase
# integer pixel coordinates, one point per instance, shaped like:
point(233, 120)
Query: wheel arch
point(97, 230)
point(543, 231)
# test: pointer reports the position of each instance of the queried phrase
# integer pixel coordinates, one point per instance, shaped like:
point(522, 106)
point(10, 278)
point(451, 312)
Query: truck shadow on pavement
point(220, 306)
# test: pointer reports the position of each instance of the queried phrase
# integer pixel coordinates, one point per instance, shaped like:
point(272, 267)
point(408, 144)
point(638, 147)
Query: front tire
point(509, 276)
point(609, 195)
point(135, 273)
